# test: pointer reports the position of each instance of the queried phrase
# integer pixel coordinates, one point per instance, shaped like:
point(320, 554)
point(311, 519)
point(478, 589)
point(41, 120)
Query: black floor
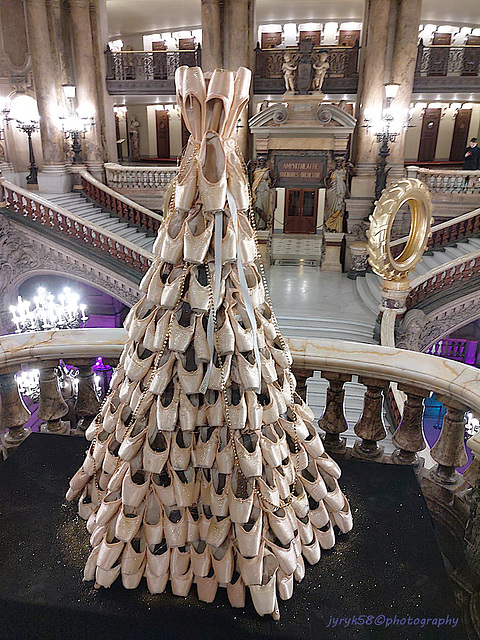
point(388, 566)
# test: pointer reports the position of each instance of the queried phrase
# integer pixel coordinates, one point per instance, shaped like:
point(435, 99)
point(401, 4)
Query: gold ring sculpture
point(406, 191)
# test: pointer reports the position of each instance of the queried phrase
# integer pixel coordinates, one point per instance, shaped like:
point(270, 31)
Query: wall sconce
point(5, 119)
point(74, 126)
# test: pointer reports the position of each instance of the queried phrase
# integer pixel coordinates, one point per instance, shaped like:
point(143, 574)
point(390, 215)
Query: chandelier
point(28, 383)
point(47, 314)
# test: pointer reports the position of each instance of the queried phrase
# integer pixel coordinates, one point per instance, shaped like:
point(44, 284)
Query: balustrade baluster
point(301, 376)
point(87, 404)
point(449, 450)
point(370, 427)
point(52, 407)
point(333, 420)
point(13, 413)
point(409, 435)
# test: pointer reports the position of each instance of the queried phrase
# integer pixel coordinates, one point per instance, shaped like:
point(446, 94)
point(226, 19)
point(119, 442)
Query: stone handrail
point(134, 177)
point(417, 374)
point(447, 181)
point(119, 204)
point(55, 217)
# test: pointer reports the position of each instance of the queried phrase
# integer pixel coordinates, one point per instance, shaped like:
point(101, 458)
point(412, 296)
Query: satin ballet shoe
point(163, 486)
point(190, 372)
point(268, 402)
point(302, 409)
point(219, 495)
point(224, 457)
point(193, 529)
point(205, 447)
point(305, 530)
point(256, 290)
point(312, 552)
point(156, 332)
point(241, 95)
point(273, 444)
point(128, 522)
point(289, 470)
point(215, 408)
point(251, 569)
point(237, 407)
point(175, 526)
point(116, 479)
point(163, 374)
point(281, 482)
point(236, 591)
point(223, 562)
point(268, 489)
point(218, 100)
point(85, 505)
point(313, 481)
point(181, 450)
point(188, 411)
point(294, 428)
point(218, 530)
point(212, 177)
point(185, 191)
point(139, 316)
point(254, 411)
point(156, 452)
point(193, 92)
point(249, 454)
point(334, 499)
point(200, 341)
point(151, 284)
point(220, 371)
point(173, 288)
point(240, 499)
point(156, 584)
point(181, 328)
point(281, 524)
point(328, 465)
point(326, 536)
point(108, 509)
point(181, 585)
point(167, 407)
point(77, 483)
point(204, 520)
point(298, 453)
point(264, 595)
point(248, 247)
point(186, 488)
point(115, 409)
point(106, 577)
point(236, 177)
point(284, 584)
point(285, 554)
point(197, 237)
point(133, 442)
point(179, 84)
point(200, 558)
point(134, 558)
point(180, 560)
point(224, 335)
point(110, 549)
point(98, 534)
point(207, 587)
point(276, 392)
point(158, 558)
point(299, 572)
point(198, 290)
point(135, 486)
point(229, 241)
point(269, 373)
point(244, 340)
point(319, 516)
point(343, 517)
point(249, 534)
point(132, 580)
point(153, 520)
point(91, 565)
point(266, 320)
point(248, 370)
point(281, 354)
point(299, 499)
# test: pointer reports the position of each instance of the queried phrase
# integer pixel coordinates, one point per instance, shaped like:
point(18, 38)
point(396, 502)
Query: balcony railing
point(460, 63)
point(134, 179)
point(455, 349)
point(441, 181)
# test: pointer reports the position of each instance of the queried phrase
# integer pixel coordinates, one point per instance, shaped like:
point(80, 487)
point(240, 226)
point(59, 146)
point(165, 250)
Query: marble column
point(403, 72)
point(87, 98)
point(54, 176)
point(371, 95)
point(212, 51)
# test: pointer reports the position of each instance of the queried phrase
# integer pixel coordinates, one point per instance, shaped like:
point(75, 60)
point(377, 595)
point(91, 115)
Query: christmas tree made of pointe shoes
point(204, 466)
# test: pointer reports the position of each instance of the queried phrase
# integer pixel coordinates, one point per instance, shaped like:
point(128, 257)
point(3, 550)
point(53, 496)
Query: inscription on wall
point(299, 171)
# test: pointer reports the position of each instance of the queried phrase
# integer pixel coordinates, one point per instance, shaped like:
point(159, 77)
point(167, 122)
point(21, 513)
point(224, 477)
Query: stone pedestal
point(55, 179)
point(333, 245)
point(359, 260)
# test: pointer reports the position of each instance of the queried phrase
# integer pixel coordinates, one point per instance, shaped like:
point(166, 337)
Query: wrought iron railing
point(438, 60)
point(149, 65)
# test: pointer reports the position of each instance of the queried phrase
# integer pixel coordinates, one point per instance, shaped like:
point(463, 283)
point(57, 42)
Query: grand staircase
point(82, 206)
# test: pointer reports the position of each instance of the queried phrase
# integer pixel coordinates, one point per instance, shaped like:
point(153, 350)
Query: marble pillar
point(371, 95)
point(53, 177)
point(212, 51)
point(87, 97)
point(403, 71)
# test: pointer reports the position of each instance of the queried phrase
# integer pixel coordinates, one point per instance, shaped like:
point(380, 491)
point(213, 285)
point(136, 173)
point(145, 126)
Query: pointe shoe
point(241, 499)
point(218, 100)
point(175, 526)
point(249, 454)
point(205, 447)
point(236, 591)
point(134, 487)
point(134, 560)
point(254, 411)
point(223, 563)
point(163, 374)
point(284, 584)
point(156, 452)
point(191, 95)
point(285, 555)
point(108, 509)
point(241, 95)
point(132, 444)
point(313, 482)
point(185, 189)
point(85, 505)
point(274, 445)
point(207, 587)
point(249, 534)
point(169, 243)
point(298, 454)
point(173, 288)
point(319, 516)
point(281, 482)
point(269, 373)
point(204, 521)
point(106, 577)
point(299, 572)
point(167, 405)
point(220, 371)
point(313, 443)
point(302, 409)
point(328, 465)
point(264, 596)
point(201, 559)
point(116, 479)
point(188, 411)
point(312, 552)
point(111, 461)
point(215, 408)
point(180, 560)
point(197, 238)
point(77, 483)
point(128, 522)
point(268, 489)
point(299, 499)
point(198, 291)
point(151, 283)
point(237, 407)
point(265, 317)
point(248, 247)
point(91, 565)
point(295, 428)
point(158, 558)
point(255, 287)
point(186, 487)
point(251, 569)
point(181, 450)
point(305, 530)
point(156, 332)
point(139, 316)
point(153, 520)
point(229, 241)
point(162, 484)
point(190, 372)
point(224, 335)
point(212, 177)
point(200, 342)
point(218, 530)
point(236, 177)
point(270, 409)
point(343, 517)
point(156, 584)
point(326, 536)
point(224, 458)
point(110, 549)
point(281, 524)
point(181, 328)
point(334, 500)
point(193, 529)
point(181, 585)
point(248, 370)
point(219, 495)
point(281, 354)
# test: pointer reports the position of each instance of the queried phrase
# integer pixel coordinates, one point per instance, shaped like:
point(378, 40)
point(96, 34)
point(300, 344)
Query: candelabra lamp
point(29, 128)
point(47, 314)
point(75, 126)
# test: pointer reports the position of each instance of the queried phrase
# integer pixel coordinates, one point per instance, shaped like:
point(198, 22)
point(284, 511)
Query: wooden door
point(460, 134)
point(429, 135)
point(163, 134)
point(314, 36)
point(301, 211)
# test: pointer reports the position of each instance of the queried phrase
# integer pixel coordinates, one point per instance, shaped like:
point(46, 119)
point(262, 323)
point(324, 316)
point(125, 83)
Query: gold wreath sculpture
point(406, 191)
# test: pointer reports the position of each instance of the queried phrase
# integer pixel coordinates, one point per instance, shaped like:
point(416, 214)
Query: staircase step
point(365, 294)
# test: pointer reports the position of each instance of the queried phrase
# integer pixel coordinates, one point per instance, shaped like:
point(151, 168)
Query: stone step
point(351, 330)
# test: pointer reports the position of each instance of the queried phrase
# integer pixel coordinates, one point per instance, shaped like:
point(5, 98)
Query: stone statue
point(337, 191)
point(262, 183)
point(289, 68)
point(321, 67)
point(134, 138)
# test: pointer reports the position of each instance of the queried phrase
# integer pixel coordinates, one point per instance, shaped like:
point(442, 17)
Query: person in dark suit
point(472, 156)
